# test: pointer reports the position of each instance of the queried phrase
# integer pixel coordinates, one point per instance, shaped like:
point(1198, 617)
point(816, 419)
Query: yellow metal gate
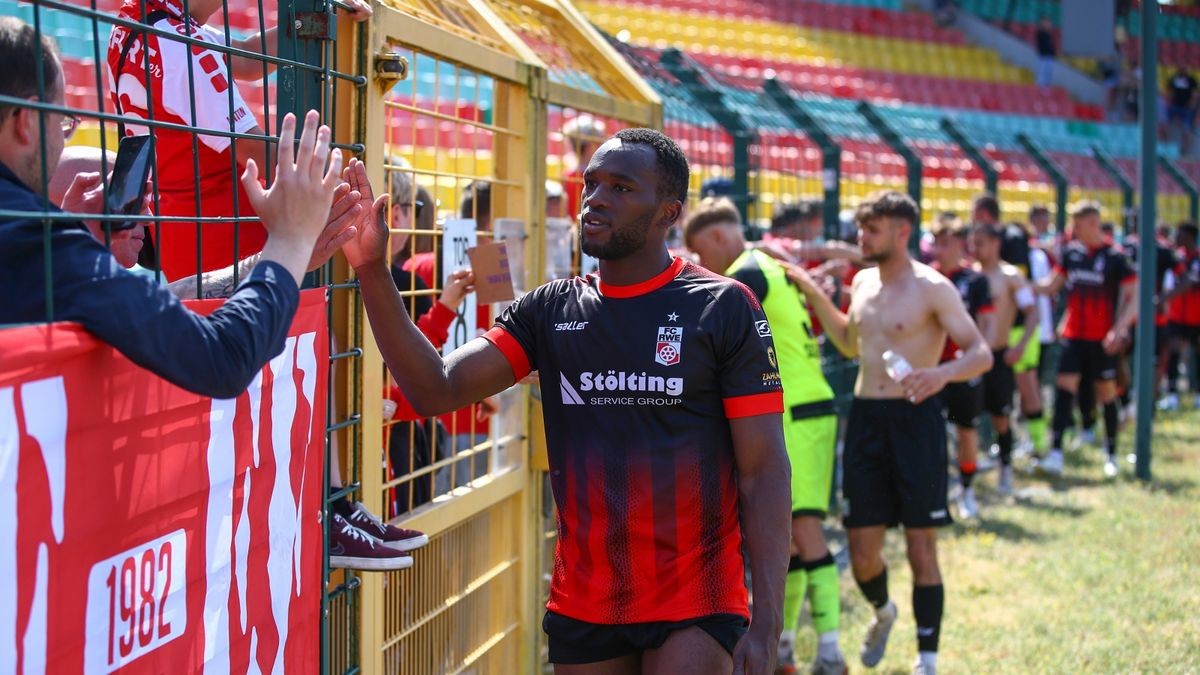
point(498, 97)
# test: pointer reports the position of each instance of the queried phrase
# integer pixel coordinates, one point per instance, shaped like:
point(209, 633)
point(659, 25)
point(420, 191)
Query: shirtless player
point(895, 448)
point(1011, 293)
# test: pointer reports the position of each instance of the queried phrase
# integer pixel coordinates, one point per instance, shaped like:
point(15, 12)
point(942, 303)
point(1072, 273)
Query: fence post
point(1122, 180)
point(307, 29)
point(1193, 192)
point(1144, 359)
point(831, 152)
point(1056, 176)
point(304, 26)
point(899, 146)
point(991, 177)
point(713, 101)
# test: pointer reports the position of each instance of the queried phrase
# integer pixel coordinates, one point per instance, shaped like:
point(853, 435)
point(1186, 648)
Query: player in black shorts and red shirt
point(1101, 308)
point(1183, 313)
point(963, 400)
point(663, 422)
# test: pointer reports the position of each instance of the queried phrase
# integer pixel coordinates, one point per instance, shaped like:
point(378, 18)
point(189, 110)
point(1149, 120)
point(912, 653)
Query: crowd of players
point(1032, 294)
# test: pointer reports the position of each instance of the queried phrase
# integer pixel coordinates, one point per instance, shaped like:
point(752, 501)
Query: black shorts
point(894, 464)
point(573, 642)
point(1047, 362)
point(963, 402)
point(1184, 332)
point(999, 385)
point(1087, 359)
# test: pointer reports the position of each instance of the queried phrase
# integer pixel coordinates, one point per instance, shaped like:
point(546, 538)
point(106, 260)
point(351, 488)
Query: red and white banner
point(145, 529)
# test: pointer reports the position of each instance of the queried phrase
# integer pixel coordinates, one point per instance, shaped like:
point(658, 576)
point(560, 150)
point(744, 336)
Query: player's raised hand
point(339, 228)
point(797, 275)
point(371, 243)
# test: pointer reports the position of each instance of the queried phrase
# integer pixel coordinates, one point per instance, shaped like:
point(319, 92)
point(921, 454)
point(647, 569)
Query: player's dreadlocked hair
point(672, 164)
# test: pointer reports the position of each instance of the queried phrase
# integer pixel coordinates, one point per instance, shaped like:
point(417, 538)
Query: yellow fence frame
point(472, 34)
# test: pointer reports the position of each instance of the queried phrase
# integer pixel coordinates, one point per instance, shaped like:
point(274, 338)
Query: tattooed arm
point(215, 284)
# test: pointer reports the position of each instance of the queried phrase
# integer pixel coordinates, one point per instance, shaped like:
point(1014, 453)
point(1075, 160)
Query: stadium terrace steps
point(766, 39)
point(890, 87)
point(824, 15)
point(838, 63)
point(1175, 23)
point(1170, 52)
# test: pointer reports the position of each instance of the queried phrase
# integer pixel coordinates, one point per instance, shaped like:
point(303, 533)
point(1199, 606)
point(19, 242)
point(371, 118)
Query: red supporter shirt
point(435, 326)
point(462, 421)
point(184, 168)
point(1185, 307)
point(1094, 279)
point(573, 189)
point(641, 454)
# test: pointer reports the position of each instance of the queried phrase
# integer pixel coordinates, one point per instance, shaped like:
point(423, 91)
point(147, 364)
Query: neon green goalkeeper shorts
point(1033, 350)
point(810, 447)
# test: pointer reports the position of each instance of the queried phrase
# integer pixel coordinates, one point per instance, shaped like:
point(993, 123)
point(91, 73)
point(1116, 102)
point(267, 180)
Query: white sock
point(787, 639)
point(827, 645)
point(928, 659)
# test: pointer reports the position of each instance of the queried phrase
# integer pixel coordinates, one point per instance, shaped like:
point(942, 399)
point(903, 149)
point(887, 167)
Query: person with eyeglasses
point(144, 321)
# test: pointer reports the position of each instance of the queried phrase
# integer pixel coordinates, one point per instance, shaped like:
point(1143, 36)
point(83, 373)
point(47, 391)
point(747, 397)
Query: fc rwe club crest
point(670, 344)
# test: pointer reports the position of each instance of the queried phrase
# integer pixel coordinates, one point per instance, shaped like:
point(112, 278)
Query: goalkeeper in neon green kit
point(714, 232)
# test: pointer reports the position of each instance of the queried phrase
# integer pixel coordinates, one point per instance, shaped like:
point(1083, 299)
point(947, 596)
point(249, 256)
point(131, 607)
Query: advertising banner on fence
point(144, 529)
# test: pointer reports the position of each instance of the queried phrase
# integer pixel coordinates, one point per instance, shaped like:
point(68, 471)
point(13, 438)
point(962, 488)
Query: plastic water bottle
point(897, 366)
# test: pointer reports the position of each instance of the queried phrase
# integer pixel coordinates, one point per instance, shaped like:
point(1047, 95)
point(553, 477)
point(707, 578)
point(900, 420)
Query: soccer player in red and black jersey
point(1183, 312)
point(963, 400)
point(663, 421)
point(1101, 308)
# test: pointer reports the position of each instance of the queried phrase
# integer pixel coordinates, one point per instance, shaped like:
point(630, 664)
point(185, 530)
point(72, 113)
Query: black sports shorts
point(573, 642)
point(894, 464)
point(999, 385)
point(1087, 359)
point(1184, 332)
point(963, 402)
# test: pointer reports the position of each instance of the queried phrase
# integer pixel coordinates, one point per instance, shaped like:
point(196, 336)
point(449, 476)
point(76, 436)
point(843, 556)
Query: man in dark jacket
point(52, 269)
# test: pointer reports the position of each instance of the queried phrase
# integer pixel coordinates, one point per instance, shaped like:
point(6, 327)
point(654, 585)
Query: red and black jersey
point(1094, 279)
point(976, 295)
point(1165, 261)
point(1185, 307)
point(640, 446)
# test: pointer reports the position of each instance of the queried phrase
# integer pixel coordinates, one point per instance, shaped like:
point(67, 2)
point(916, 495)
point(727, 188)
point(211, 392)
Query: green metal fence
point(309, 68)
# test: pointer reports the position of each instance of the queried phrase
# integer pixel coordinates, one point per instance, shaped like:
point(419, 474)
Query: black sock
point(876, 589)
point(1110, 427)
point(966, 473)
point(1005, 441)
point(1062, 415)
point(1173, 372)
point(928, 602)
point(1085, 396)
point(342, 506)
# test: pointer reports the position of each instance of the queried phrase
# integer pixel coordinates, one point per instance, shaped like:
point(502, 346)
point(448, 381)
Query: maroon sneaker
point(391, 536)
point(351, 548)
